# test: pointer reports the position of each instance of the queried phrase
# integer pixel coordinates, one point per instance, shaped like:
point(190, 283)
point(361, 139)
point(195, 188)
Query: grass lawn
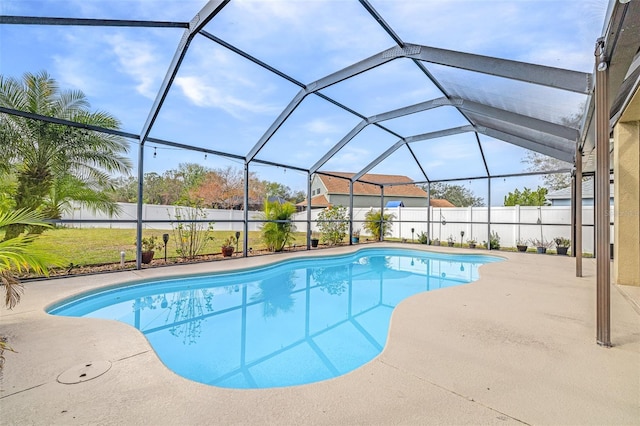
point(92, 246)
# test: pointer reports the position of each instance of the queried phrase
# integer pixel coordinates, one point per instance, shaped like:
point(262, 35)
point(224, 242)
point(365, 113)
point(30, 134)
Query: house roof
point(335, 185)
point(317, 201)
point(435, 202)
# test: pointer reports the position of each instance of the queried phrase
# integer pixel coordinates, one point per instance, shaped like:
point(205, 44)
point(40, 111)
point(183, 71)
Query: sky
point(224, 102)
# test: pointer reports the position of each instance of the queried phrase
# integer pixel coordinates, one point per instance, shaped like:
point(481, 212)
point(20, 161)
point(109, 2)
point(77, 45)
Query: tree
point(375, 226)
point(125, 189)
point(277, 232)
point(457, 195)
point(333, 224)
point(224, 188)
point(40, 152)
point(540, 163)
point(527, 197)
point(298, 196)
point(275, 189)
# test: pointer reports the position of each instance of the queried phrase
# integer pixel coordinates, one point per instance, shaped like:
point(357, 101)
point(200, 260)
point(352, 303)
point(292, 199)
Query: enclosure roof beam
point(64, 122)
point(400, 112)
point(337, 147)
point(286, 166)
point(276, 124)
point(194, 148)
point(416, 138)
point(37, 20)
point(290, 79)
point(520, 120)
point(412, 109)
point(573, 81)
point(198, 22)
point(378, 160)
point(360, 67)
point(561, 153)
point(440, 133)
point(501, 176)
point(343, 74)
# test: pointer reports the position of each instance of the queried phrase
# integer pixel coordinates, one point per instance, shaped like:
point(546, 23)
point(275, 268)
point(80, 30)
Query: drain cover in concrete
point(83, 372)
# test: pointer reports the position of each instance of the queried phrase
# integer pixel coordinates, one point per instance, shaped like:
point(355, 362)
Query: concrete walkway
point(517, 346)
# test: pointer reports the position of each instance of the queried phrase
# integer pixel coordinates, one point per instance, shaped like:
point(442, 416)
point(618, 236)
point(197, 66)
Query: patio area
point(517, 346)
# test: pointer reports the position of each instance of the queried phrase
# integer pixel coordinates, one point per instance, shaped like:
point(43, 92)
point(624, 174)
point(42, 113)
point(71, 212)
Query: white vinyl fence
point(510, 223)
point(224, 220)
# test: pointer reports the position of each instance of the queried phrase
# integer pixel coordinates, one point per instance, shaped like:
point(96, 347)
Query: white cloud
point(321, 126)
point(137, 58)
point(203, 94)
point(72, 73)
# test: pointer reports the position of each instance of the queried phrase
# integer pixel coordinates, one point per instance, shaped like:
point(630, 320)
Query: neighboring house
point(562, 197)
point(332, 190)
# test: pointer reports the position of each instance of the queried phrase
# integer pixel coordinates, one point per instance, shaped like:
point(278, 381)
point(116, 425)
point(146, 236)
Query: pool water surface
point(292, 323)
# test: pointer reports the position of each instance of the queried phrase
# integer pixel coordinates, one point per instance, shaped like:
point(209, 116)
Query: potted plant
point(542, 246)
point(149, 245)
point(451, 241)
point(435, 242)
point(522, 245)
point(423, 238)
point(355, 236)
point(562, 245)
point(472, 243)
point(314, 239)
point(227, 246)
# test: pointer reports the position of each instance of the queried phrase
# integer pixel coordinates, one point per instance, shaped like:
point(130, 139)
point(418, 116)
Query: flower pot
point(541, 250)
point(314, 242)
point(522, 247)
point(562, 250)
point(355, 240)
point(450, 243)
point(472, 245)
point(227, 251)
point(147, 256)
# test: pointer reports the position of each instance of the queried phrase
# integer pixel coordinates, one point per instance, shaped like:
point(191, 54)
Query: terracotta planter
point(147, 256)
point(522, 248)
point(227, 251)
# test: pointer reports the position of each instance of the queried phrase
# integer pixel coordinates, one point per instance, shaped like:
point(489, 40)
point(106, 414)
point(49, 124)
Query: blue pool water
point(297, 322)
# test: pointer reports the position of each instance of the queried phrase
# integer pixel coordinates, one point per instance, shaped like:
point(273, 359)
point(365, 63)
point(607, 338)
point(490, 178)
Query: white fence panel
point(511, 223)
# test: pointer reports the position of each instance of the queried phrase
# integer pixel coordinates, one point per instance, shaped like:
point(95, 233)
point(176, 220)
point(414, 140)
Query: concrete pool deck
point(517, 346)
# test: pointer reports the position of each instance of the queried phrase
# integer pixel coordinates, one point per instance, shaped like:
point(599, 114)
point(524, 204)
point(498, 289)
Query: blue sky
point(224, 102)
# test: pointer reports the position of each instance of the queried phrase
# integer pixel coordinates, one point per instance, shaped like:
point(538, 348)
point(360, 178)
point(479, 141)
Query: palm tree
point(278, 233)
point(378, 223)
point(17, 255)
point(68, 188)
point(40, 153)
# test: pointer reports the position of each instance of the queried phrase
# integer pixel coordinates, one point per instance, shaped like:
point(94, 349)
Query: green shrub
point(494, 241)
point(189, 235)
point(423, 238)
point(333, 224)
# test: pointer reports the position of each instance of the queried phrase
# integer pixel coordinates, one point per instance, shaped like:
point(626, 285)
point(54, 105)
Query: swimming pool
point(295, 322)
